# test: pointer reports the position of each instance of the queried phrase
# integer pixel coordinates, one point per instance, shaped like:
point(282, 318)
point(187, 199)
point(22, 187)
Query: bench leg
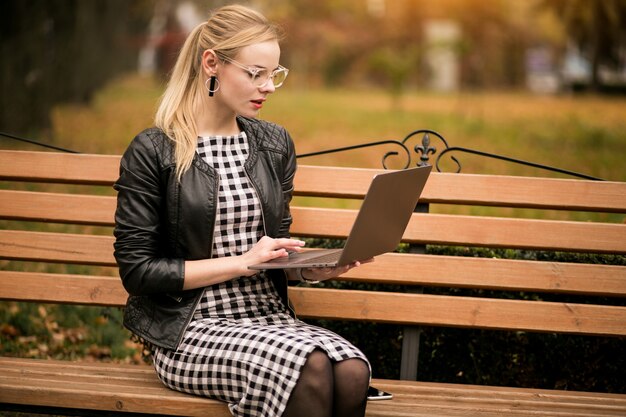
point(410, 353)
point(411, 334)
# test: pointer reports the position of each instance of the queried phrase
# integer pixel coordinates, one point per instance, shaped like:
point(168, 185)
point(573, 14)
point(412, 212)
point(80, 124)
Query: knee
point(317, 373)
point(352, 374)
point(363, 374)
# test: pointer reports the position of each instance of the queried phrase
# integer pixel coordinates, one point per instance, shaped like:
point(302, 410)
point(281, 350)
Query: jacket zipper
point(199, 296)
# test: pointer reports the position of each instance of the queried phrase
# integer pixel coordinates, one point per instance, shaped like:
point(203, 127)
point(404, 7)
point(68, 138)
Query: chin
point(253, 114)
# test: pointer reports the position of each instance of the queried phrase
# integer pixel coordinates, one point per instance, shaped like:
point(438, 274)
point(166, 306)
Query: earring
point(212, 88)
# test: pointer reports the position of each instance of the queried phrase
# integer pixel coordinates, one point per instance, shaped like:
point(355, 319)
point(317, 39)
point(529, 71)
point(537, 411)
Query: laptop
point(378, 228)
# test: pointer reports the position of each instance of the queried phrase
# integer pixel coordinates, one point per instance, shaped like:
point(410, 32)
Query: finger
point(289, 243)
point(318, 272)
point(279, 253)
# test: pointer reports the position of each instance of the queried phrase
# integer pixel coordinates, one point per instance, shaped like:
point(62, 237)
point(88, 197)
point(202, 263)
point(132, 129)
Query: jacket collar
point(252, 133)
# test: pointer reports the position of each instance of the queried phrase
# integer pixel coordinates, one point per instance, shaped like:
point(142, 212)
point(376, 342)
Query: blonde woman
point(202, 196)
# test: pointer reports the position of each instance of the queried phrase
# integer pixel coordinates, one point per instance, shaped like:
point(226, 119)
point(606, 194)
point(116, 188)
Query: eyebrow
point(261, 66)
point(265, 68)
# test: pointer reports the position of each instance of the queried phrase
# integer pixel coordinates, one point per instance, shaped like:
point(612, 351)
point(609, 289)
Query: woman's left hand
point(323, 274)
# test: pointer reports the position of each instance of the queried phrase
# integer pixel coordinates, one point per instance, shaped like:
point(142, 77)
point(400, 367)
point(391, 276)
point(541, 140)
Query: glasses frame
point(253, 72)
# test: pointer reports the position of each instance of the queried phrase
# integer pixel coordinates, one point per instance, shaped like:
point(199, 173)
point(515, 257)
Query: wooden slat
point(490, 273)
point(471, 189)
point(518, 233)
point(333, 181)
point(498, 274)
point(62, 288)
point(476, 231)
point(446, 188)
point(92, 386)
point(57, 247)
point(404, 404)
point(59, 167)
point(131, 379)
point(440, 399)
point(56, 207)
point(423, 228)
point(19, 378)
point(459, 311)
point(360, 305)
point(77, 395)
point(608, 280)
point(510, 191)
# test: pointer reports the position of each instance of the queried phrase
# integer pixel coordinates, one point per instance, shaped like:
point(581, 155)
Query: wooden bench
point(38, 256)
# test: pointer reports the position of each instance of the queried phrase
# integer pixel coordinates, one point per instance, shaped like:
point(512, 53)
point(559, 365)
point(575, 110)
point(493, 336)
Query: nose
point(268, 87)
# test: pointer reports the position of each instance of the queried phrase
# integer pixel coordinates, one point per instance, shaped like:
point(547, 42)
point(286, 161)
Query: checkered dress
point(242, 346)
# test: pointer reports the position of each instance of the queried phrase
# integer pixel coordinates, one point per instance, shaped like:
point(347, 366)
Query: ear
point(209, 62)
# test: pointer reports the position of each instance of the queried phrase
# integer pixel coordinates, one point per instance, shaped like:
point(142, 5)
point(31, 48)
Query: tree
point(598, 27)
point(59, 51)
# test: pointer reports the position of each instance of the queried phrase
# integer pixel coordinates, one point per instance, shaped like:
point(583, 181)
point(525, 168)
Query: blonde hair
point(227, 30)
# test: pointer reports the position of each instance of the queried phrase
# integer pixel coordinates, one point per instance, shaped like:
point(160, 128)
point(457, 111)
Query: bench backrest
point(52, 231)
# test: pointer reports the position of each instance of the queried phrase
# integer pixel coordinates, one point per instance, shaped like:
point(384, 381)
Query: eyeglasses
point(260, 76)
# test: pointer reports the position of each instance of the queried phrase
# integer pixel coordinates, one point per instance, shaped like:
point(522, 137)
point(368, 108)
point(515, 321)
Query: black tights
point(328, 388)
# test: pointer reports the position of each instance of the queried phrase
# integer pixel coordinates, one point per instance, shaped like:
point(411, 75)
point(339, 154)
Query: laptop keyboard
point(323, 258)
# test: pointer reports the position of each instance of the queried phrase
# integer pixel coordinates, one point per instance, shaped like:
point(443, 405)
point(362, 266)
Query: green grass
point(586, 134)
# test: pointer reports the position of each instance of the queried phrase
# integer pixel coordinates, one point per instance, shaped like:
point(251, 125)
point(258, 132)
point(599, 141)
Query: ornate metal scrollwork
point(425, 149)
point(366, 145)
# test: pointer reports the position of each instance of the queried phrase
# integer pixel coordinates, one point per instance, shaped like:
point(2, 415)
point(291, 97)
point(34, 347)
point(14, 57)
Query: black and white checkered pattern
point(242, 346)
point(238, 225)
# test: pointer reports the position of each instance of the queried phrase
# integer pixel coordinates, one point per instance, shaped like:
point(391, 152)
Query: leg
point(352, 378)
point(313, 394)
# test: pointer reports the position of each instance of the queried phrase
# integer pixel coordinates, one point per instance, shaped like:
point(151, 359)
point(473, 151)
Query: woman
point(201, 197)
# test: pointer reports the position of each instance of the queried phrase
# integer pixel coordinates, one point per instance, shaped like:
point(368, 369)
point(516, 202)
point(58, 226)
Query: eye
point(255, 73)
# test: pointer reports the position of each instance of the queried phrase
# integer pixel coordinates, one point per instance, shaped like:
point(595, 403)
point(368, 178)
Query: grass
point(580, 134)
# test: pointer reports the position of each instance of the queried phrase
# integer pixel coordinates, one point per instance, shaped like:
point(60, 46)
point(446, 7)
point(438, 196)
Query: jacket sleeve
point(139, 234)
point(289, 172)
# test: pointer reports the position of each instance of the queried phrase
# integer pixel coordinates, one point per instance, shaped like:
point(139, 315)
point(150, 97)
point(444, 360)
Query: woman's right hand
point(267, 249)
point(204, 272)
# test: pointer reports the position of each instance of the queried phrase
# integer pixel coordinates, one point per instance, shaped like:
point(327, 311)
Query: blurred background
point(529, 79)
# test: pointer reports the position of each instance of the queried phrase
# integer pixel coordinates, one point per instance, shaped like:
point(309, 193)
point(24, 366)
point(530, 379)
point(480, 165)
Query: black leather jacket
point(161, 222)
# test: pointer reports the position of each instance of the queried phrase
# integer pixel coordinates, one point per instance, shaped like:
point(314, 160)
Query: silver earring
point(213, 87)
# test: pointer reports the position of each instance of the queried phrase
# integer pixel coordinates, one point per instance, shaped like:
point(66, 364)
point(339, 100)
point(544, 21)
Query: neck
point(212, 120)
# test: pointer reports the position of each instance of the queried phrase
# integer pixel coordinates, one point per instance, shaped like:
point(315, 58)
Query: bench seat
point(136, 389)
